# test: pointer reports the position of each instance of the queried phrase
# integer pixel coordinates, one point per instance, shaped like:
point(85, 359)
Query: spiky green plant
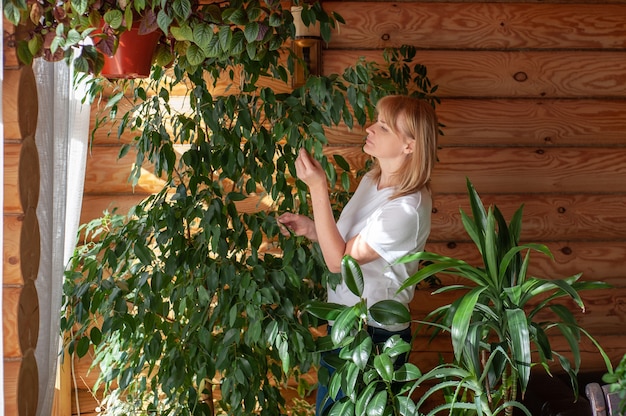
point(499, 324)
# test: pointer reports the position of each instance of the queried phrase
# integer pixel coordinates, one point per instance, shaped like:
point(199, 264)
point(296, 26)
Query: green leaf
point(520, 344)
point(182, 9)
point(384, 367)
point(195, 54)
point(390, 312)
point(143, 253)
point(114, 18)
point(407, 372)
point(324, 310)
point(202, 35)
point(82, 347)
point(352, 275)
point(377, 405)
point(344, 324)
point(462, 318)
point(182, 33)
point(251, 31)
point(341, 162)
point(95, 335)
point(364, 398)
point(362, 349)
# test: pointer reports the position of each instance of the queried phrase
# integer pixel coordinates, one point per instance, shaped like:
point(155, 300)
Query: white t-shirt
point(393, 228)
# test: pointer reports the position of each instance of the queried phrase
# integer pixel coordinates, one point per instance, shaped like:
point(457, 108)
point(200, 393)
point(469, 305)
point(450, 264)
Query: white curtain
point(62, 142)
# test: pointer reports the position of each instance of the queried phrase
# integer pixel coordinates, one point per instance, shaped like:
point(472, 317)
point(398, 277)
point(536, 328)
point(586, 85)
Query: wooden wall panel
point(498, 74)
point(478, 25)
point(597, 261)
point(529, 122)
point(534, 107)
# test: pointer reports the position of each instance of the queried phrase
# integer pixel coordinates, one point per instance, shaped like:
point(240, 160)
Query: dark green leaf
point(352, 275)
point(390, 312)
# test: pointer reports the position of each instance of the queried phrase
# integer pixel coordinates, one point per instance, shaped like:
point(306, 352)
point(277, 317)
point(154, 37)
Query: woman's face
point(382, 143)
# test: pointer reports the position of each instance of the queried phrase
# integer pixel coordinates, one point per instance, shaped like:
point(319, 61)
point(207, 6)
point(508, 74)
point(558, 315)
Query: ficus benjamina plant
point(192, 302)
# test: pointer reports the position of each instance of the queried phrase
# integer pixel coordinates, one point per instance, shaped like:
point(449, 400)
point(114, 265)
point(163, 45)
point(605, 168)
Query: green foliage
point(502, 318)
point(617, 380)
point(364, 372)
point(185, 295)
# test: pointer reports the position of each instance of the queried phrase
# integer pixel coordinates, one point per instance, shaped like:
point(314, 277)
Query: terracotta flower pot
point(133, 58)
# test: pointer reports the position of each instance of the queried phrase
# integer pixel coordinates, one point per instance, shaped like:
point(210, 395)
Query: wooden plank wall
point(534, 107)
point(534, 104)
point(20, 304)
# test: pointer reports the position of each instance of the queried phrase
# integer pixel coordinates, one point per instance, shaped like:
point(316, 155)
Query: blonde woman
point(389, 214)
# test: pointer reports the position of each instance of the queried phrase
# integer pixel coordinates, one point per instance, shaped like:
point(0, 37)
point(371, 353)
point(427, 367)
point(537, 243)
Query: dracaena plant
point(503, 320)
point(364, 381)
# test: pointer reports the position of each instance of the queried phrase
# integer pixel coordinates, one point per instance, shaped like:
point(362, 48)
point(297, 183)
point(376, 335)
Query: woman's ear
point(408, 148)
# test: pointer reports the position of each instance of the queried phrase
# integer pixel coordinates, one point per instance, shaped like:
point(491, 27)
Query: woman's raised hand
point(298, 224)
point(310, 171)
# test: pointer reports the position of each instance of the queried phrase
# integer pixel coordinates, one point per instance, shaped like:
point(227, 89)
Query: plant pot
point(133, 58)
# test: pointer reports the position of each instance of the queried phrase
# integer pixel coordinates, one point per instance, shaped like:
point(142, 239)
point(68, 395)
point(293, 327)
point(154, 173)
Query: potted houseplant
point(188, 31)
point(501, 316)
point(365, 380)
point(182, 297)
point(492, 325)
point(90, 33)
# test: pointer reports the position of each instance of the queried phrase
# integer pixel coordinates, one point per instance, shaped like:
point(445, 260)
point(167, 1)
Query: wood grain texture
point(11, 193)
point(596, 260)
point(11, 374)
point(11, 270)
point(519, 122)
point(107, 173)
point(546, 217)
point(10, 306)
point(526, 170)
point(478, 25)
point(499, 74)
point(503, 170)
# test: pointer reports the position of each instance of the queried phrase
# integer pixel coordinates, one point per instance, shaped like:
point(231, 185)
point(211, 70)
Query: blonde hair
point(415, 119)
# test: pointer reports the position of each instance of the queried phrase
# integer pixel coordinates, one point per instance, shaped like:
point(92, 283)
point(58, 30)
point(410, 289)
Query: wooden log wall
point(21, 234)
point(534, 106)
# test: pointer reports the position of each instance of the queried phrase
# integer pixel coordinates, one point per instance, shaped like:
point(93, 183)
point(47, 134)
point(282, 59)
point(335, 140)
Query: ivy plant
point(188, 300)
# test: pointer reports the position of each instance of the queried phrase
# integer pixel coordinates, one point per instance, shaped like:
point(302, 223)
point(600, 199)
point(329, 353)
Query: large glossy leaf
point(343, 325)
point(407, 372)
point(350, 375)
point(352, 275)
point(364, 398)
point(384, 367)
point(342, 408)
point(377, 405)
point(405, 406)
point(390, 312)
point(520, 344)
point(362, 349)
point(324, 310)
